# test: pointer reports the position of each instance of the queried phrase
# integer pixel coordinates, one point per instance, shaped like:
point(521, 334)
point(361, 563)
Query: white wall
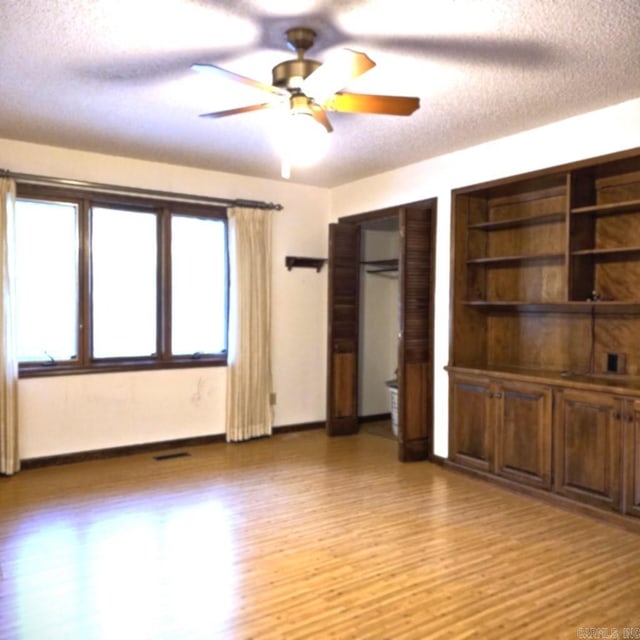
point(77, 413)
point(51, 407)
point(597, 133)
point(379, 302)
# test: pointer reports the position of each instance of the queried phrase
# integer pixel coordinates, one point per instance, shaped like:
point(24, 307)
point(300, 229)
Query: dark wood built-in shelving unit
point(544, 357)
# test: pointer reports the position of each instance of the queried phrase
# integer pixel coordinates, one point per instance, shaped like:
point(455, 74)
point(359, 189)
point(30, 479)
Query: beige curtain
point(249, 412)
point(9, 457)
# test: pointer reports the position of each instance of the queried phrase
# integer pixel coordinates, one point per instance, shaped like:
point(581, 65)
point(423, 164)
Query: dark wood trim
point(378, 417)
point(389, 212)
point(116, 452)
point(62, 369)
point(436, 459)
point(150, 447)
point(553, 499)
point(85, 329)
point(163, 322)
point(304, 426)
point(416, 450)
point(378, 214)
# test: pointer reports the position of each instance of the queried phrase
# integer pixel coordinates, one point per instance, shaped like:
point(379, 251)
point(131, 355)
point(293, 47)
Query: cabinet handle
point(630, 417)
point(498, 396)
point(616, 415)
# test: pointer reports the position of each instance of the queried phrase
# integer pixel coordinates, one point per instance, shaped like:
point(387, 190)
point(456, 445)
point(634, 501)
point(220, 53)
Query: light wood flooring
point(300, 536)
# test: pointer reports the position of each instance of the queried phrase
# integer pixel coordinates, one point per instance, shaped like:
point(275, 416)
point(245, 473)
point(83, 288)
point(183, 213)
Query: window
point(199, 295)
point(104, 284)
point(123, 282)
point(47, 298)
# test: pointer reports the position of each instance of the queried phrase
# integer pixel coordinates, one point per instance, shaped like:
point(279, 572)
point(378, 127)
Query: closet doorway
point(415, 264)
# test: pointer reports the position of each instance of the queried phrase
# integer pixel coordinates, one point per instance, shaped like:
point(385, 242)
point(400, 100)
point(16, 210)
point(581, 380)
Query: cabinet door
point(588, 448)
point(631, 426)
point(471, 433)
point(523, 433)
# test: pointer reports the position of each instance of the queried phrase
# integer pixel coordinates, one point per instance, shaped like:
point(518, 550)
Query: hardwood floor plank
point(299, 536)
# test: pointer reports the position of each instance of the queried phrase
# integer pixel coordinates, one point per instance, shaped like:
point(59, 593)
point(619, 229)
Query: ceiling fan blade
point(319, 114)
point(339, 69)
point(364, 103)
point(233, 112)
point(230, 75)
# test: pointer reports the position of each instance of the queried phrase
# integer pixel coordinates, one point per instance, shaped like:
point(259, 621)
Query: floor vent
point(170, 456)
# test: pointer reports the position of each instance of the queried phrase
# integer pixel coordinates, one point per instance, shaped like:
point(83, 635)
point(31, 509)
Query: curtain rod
point(26, 178)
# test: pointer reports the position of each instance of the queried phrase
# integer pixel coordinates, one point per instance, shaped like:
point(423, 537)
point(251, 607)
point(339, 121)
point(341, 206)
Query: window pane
point(47, 280)
point(198, 285)
point(124, 257)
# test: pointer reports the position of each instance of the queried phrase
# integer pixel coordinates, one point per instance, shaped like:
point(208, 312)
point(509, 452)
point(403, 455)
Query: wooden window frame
point(163, 209)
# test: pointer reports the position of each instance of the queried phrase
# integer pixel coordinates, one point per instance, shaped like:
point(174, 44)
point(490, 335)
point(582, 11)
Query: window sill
point(67, 369)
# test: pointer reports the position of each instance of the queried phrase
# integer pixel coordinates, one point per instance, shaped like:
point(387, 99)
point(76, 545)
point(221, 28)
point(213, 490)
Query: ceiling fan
point(309, 88)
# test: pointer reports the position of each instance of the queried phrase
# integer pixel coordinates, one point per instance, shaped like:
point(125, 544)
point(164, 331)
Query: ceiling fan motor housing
point(289, 74)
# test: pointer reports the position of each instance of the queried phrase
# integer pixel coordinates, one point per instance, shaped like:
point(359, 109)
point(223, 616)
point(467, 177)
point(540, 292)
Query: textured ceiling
point(113, 76)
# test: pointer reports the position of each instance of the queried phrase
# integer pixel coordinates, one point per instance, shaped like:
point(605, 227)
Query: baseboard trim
point(378, 417)
point(413, 450)
point(117, 452)
point(304, 426)
point(149, 447)
point(630, 523)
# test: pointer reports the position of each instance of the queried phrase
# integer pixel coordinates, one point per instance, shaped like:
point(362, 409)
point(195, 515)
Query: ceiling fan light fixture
point(309, 89)
point(300, 138)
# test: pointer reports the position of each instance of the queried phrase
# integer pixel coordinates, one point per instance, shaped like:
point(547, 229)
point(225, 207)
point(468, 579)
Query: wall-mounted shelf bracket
point(292, 262)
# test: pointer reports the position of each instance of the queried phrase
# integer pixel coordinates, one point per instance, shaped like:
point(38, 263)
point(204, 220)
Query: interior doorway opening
point(346, 397)
point(379, 320)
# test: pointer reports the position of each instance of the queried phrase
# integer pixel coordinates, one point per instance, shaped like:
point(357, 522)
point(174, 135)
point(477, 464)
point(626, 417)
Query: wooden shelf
point(387, 267)
point(515, 259)
point(601, 307)
point(546, 311)
point(295, 262)
point(611, 209)
point(622, 251)
point(530, 221)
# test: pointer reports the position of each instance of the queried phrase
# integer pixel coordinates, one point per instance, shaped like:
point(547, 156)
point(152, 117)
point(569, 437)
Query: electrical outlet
point(615, 362)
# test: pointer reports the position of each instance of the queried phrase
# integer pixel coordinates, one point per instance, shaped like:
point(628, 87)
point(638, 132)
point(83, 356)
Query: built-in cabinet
point(630, 417)
point(523, 433)
point(544, 356)
point(471, 441)
point(503, 427)
point(588, 448)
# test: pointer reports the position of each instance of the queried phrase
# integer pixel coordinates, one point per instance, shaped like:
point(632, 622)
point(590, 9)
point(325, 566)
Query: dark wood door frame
point(415, 416)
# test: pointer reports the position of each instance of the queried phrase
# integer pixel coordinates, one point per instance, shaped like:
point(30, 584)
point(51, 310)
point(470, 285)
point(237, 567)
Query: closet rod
point(26, 178)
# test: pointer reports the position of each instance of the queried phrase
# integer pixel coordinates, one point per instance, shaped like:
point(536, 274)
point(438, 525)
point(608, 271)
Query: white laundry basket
point(394, 409)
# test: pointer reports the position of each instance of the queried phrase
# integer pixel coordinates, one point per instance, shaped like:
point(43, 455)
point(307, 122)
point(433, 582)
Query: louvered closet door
point(342, 365)
point(415, 356)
